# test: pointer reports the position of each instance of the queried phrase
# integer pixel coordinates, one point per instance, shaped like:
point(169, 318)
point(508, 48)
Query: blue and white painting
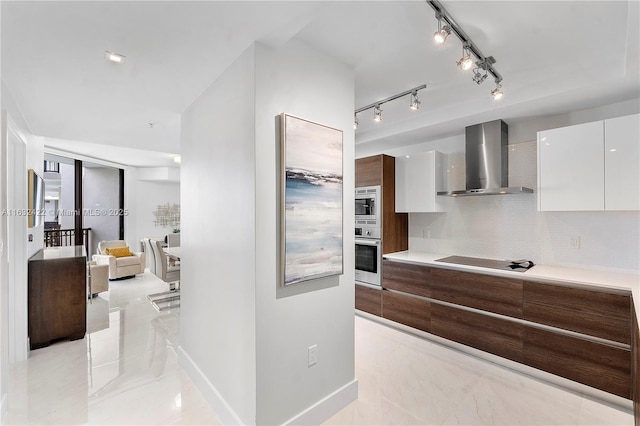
point(312, 217)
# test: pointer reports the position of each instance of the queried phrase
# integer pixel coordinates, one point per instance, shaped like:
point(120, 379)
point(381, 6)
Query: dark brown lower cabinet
point(635, 367)
point(57, 295)
point(369, 300)
point(599, 313)
point(406, 310)
point(554, 310)
point(490, 334)
point(601, 366)
point(406, 277)
point(484, 292)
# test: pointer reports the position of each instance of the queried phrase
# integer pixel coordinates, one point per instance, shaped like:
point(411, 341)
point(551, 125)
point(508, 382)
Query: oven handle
point(368, 242)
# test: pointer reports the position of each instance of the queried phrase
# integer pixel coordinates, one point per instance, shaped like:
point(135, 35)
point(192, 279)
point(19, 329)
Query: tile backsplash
point(510, 227)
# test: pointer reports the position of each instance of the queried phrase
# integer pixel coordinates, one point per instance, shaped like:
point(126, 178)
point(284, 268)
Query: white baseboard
point(224, 411)
point(314, 415)
point(327, 407)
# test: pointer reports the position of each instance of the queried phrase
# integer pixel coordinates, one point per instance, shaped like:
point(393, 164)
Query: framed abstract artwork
point(311, 205)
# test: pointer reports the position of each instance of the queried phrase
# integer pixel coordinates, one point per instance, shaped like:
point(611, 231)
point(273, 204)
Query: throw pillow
point(118, 251)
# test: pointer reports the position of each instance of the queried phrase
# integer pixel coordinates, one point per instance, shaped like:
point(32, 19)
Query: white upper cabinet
point(591, 166)
point(418, 178)
point(622, 163)
point(571, 168)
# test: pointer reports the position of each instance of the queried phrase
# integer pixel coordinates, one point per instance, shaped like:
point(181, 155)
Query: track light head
point(497, 93)
point(377, 114)
point(415, 101)
point(478, 76)
point(441, 36)
point(443, 32)
point(466, 62)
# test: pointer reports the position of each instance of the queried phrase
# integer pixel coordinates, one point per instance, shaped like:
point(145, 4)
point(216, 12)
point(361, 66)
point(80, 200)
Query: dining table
point(173, 252)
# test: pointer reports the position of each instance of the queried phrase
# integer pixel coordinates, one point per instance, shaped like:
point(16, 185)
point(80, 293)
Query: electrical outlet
point(574, 242)
point(313, 355)
point(426, 233)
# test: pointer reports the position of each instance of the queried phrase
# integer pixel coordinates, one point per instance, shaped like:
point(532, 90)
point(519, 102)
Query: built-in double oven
point(368, 235)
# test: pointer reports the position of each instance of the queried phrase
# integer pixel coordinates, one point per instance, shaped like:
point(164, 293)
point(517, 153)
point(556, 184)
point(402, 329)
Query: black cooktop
point(520, 265)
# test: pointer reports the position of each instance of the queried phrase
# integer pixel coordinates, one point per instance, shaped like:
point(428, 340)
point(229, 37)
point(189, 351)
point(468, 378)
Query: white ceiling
point(555, 57)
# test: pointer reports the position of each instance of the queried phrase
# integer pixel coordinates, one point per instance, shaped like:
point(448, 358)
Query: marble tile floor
point(125, 372)
point(407, 380)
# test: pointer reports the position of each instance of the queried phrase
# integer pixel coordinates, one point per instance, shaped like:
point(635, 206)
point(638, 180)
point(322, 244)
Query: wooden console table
point(57, 295)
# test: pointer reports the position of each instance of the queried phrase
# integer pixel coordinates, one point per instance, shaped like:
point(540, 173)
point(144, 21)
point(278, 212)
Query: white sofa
point(120, 267)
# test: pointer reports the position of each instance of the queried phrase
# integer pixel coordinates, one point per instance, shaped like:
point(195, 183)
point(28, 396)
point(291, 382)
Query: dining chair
point(151, 257)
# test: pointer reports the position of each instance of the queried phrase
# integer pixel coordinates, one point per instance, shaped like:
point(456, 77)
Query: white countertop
point(628, 281)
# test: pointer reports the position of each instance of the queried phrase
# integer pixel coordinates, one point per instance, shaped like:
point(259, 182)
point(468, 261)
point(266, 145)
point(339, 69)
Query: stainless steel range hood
point(487, 161)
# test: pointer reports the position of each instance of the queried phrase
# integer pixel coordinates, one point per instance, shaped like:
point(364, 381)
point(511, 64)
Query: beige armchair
point(98, 276)
point(120, 267)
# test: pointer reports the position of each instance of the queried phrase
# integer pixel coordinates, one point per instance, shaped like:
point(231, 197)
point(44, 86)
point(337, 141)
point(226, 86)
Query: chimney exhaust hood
point(487, 161)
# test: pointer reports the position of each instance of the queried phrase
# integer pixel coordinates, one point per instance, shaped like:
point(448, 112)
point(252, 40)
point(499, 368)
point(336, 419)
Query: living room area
point(128, 345)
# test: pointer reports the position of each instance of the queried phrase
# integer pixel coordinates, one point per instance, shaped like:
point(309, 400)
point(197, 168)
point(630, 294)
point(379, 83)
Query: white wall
point(4, 355)
point(218, 266)
point(34, 159)
point(230, 181)
point(300, 81)
point(149, 196)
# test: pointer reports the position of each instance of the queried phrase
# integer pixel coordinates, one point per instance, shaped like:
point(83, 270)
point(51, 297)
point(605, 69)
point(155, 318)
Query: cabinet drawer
point(406, 310)
point(494, 335)
point(485, 292)
point(591, 312)
point(601, 366)
point(406, 277)
point(369, 300)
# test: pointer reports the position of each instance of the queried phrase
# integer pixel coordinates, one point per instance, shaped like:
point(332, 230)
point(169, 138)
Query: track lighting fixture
point(415, 101)
point(377, 114)
point(414, 104)
point(465, 63)
point(497, 93)
point(443, 31)
point(484, 64)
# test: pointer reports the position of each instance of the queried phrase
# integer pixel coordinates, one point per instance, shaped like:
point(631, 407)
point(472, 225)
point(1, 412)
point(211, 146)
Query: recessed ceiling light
point(114, 57)
point(177, 159)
